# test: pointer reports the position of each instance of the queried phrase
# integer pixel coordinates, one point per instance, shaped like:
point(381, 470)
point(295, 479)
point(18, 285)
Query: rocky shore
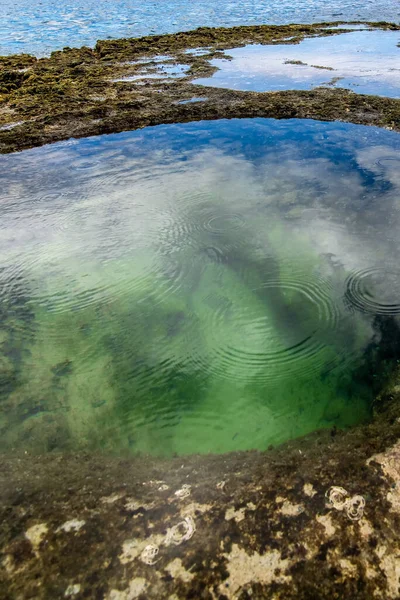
point(82, 92)
point(316, 518)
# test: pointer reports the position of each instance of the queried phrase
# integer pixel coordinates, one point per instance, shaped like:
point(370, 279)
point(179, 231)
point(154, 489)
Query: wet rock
point(255, 524)
point(76, 92)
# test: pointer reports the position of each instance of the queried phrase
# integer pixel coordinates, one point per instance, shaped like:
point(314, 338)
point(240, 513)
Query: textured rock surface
point(242, 525)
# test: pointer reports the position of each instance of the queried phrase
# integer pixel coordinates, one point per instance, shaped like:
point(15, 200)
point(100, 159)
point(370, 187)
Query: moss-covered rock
point(80, 92)
point(240, 525)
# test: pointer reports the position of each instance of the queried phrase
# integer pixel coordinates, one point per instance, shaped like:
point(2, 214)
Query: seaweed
point(76, 93)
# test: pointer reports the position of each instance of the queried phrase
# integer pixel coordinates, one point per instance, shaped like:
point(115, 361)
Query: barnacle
point(184, 492)
point(181, 532)
point(339, 499)
point(149, 553)
point(355, 507)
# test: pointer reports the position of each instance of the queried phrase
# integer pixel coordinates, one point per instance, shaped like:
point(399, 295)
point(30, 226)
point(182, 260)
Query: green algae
point(206, 318)
point(109, 493)
point(100, 377)
point(89, 508)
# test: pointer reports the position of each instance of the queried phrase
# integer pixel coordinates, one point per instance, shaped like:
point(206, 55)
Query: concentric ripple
point(226, 222)
point(374, 291)
point(171, 291)
point(244, 341)
point(389, 161)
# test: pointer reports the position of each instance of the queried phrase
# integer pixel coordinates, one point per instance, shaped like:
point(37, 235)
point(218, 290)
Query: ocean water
point(40, 27)
point(201, 287)
point(366, 62)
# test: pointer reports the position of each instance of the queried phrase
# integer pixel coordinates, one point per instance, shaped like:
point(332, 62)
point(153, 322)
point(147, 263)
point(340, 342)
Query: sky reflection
point(366, 62)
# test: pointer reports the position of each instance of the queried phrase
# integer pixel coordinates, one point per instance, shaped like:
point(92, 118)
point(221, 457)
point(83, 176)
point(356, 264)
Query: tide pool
point(201, 287)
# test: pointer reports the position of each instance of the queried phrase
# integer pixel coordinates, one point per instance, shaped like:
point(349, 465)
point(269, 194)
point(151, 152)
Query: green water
point(195, 288)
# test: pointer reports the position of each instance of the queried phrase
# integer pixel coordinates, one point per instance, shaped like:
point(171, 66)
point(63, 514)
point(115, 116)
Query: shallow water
point(366, 62)
point(169, 71)
point(40, 27)
point(197, 288)
point(193, 100)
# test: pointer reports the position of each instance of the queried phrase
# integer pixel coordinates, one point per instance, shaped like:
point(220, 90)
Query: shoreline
point(74, 93)
point(239, 525)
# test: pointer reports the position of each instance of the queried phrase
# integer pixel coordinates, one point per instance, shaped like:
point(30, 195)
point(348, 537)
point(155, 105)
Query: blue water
point(40, 27)
point(367, 62)
point(199, 287)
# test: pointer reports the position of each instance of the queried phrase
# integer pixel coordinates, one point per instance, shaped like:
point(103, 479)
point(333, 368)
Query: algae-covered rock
point(82, 91)
point(278, 524)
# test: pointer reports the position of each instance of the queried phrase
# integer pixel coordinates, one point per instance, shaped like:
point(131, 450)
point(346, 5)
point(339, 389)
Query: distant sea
point(39, 27)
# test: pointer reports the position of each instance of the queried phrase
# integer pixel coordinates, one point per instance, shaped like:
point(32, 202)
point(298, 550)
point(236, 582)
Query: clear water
point(170, 71)
point(366, 62)
point(40, 27)
point(193, 100)
point(195, 288)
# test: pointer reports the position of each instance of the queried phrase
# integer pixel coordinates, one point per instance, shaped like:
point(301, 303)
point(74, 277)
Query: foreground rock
point(316, 518)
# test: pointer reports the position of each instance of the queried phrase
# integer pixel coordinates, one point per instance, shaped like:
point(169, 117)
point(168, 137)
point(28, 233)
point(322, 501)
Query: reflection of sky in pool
point(170, 71)
point(39, 27)
point(199, 287)
point(367, 62)
point(192, 100)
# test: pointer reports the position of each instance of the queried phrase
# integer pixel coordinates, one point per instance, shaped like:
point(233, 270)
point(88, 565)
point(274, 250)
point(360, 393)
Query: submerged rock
point(239, 525)
point(259, 525)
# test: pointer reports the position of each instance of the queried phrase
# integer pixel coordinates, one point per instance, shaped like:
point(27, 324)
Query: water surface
point(366, 62)
point(197, 287)
point(165, 71)
point(40, 27)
